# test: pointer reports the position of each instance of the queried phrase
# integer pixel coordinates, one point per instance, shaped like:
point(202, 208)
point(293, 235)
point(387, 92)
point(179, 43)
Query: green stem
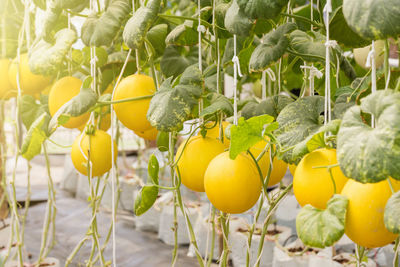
point(360, 251)
point(211, 254)
point(105, 103)
point(386, 62)
point(251, 231)
point(396, 253)
point(274, 204)
point(224, 221)
point(188, 223)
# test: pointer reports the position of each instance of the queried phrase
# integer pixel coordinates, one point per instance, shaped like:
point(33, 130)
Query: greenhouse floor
point(134, 248)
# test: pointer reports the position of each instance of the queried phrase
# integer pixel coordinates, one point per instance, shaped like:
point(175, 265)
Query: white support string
point(200, 29)
point(328, 45)
point(236, 72)
point(313, 72)
point(70, 50)
point(263, 85)
point(113, 170)
point(371, 63)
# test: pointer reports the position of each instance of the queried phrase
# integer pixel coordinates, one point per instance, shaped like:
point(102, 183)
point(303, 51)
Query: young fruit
point(364, 219)
point(193, 160)
point(133, 114)
point(232, 186)
point(214, 132)
point(279, 167)
point(314, 185)
point(30, 83)
point(63, 91)
point(6, 89)
point(361, 54)
point(100, 152)
point(150, 134)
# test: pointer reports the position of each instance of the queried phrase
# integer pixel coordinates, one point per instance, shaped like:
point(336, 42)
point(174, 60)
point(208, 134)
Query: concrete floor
point(134, 248)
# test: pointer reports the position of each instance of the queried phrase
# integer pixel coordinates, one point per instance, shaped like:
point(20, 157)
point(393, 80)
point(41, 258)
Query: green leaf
point(171, 106)
point(341, 32)
point(367, 154)
point(247, 133)
point(176, 59)
point(297, 121)
point(373, 20)
point(316, 140)
point(47, 59)
point(272, 106)
point(344, 102)
point(13, 15)
point(153, 168)
point(322, 228)
point(29, 110)
point(184, 34)
point(392, 214)
point(305, 12)
point(53, 17)
point(145, 199)
point(266, 9)
point(35, 137)
point(137, 26)
point(103, 30)
point(236, 21)
point(220, 13)
point(101, 54)
point(271, 48)
point(310, 45)
point(218, 103)
point(156, 36)
point(77, 106)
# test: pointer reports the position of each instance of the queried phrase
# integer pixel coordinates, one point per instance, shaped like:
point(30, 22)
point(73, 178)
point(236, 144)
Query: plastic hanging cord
point(200, 29)
point(328, 44)
point(236, 72)
point(371, 63)
point(263, 85)
point(70, 50)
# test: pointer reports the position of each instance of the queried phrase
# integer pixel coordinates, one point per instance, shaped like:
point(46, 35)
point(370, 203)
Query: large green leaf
point(176, 59)
point(30, 110)
point(184, 34)
point(310, 45)
point(218, 103)
point(236, 21)
point(220, 13)
point(54, 13)
point(272, 106)
point(392, 214)
point(367, 154)
point(35, 137)
point(267, 9)
point(344, 101)
point(12, 15)
point(137, 26)
point(77, 106)
point(322, 228)
point(272, 47)
point(102, 31)
point(247, 133)
point(316, 140)
point(297, 121)
point(341, 32)
point(373, 20)
point(171, 106)
point(156, 36)
point(46, 58)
